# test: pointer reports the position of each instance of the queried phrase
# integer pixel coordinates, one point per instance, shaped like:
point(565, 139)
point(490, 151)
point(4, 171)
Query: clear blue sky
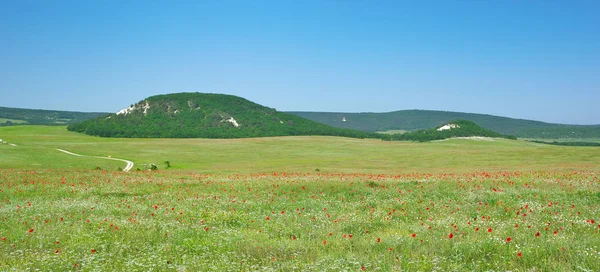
point(526, 59)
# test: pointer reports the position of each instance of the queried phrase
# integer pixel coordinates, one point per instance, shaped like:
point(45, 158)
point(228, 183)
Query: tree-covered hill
point(454, 128)
point(201, 115)
point(16, 116)
point(423, 119)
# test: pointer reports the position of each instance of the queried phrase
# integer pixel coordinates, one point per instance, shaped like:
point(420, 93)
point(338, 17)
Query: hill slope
point(423, 119)
point(201, 115)
point(455, 128)
point(16, 116)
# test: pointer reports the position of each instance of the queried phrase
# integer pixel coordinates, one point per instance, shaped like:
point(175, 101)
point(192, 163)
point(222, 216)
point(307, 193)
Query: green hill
point(410, 120)
point(201, 115)
point(454, 128)
point(16, 116)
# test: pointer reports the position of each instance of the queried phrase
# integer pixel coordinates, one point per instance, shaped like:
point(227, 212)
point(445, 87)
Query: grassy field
point(60, 220)
point(14, 121)
point(397, 131)
point(296, 204)
point(37, 144)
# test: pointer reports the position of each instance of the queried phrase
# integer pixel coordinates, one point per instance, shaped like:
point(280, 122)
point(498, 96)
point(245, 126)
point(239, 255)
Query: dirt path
point(126, 169)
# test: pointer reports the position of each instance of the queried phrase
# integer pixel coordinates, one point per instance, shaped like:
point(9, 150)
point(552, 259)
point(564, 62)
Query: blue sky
point(525, 59)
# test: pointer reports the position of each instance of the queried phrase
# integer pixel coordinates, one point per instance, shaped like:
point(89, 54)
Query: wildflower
point(508, 239)
point(519, 254)
point(489, 229)
point(325, 242)
point(414, 235)
point(31, 230)
point(378, 240)
point(450, 235)
point(537, 234)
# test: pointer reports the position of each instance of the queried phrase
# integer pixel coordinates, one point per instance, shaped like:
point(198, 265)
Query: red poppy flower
point(378, 240)
point(508, 239)
point(450, 235)
point(31, 230)
point(537, 234)
point(519, 254)
point(414, 235)
point(489, 229)
point(93, 251)
point(325, 242)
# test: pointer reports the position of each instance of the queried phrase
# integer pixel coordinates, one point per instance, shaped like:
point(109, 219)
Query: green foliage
point(423, 119)
point(197, 115)
point(464, 129)
point(15, 116)
point(567, 143)
point(167, 164)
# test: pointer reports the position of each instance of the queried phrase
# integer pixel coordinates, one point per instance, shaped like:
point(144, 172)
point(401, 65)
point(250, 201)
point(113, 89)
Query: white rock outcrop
point(447, 127)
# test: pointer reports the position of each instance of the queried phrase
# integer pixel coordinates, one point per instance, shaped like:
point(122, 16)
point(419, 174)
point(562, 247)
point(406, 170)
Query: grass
point(14, 121)
point(261, 204)
point(590, 140)
point(396, 131)
point(36, 145)
point(61, 220)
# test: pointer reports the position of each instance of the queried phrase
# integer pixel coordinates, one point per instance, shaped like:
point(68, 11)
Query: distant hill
point(454, 128)
point(410, 120)
point(16, 116)
point(202, 115)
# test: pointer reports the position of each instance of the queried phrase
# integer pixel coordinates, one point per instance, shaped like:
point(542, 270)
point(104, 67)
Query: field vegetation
point(295, 203)
point(37, 150)
point(154, 221)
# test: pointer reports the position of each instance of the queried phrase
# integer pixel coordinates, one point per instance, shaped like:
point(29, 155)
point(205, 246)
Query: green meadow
point(295, 204)
point(36, 149)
